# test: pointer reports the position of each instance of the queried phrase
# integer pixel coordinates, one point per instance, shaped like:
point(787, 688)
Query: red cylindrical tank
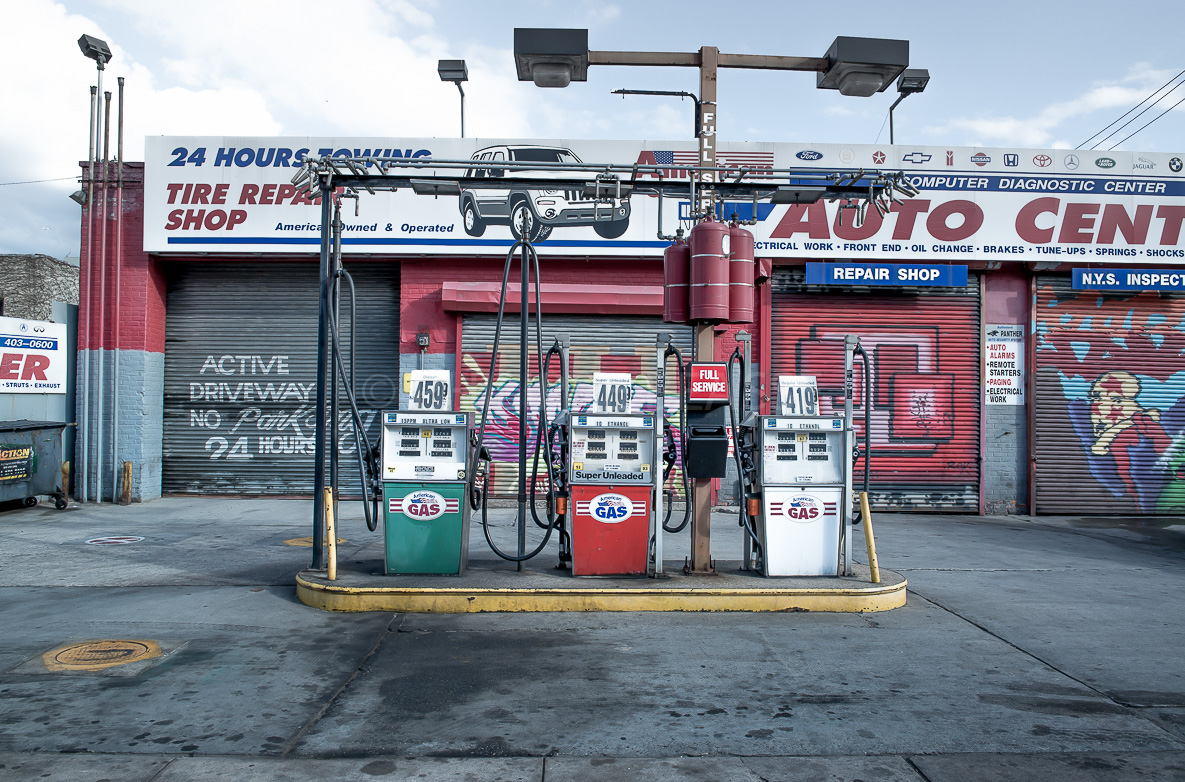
point(710, 244)
point(742, 271)
point(676, 281)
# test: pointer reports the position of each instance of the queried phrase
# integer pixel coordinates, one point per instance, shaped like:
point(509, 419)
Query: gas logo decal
point(802, 507)
point(611, 508)
point(422, 505)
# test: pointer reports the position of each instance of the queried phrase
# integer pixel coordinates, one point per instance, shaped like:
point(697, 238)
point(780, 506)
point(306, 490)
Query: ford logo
point(1105, 162)
point(809, 154)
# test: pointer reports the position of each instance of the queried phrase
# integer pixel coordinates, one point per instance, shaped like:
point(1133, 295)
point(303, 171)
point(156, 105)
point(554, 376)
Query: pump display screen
point(425, 446)
point(611, 449)
point(802, 450)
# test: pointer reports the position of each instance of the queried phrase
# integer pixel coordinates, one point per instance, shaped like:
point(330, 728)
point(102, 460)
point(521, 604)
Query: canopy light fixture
point(551, 57)
point(861, 67)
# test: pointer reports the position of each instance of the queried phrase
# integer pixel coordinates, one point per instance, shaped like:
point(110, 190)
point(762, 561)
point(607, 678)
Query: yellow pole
point(866, 519)
point(330, 535)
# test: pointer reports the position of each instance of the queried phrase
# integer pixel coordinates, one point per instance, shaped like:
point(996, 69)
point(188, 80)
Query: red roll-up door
point(1110, 401)
point(923, 346)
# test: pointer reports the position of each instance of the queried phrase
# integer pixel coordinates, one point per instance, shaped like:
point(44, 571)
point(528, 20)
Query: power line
point(37, 181)
point(1099, 143)
point(1129, 111)
point(1149, 122)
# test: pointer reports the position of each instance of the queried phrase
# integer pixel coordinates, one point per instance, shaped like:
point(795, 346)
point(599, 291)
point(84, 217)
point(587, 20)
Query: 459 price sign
point(430, 390)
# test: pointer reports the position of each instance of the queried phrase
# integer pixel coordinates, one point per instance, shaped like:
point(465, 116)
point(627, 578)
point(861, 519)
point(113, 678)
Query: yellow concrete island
point(495, 586)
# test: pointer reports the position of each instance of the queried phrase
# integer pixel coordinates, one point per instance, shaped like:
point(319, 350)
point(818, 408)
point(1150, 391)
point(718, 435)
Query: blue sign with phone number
point(933, 274)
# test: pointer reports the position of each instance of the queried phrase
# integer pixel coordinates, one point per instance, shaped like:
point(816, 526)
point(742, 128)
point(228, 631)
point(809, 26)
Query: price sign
point(612, 392)
point(430, 389)
point(798, 395)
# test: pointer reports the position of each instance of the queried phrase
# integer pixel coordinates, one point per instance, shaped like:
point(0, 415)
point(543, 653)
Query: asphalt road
point(1030, 648)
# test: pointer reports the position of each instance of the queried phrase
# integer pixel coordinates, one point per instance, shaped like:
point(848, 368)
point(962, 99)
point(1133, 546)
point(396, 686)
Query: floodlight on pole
point(912, 80)
point(456, 72)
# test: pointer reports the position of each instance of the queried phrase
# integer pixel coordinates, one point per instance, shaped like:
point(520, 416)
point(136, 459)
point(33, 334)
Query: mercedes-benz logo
point(1071, 162)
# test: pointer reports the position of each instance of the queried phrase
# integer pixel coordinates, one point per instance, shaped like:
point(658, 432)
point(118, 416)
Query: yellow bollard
point(331, 536)
point(866, 520)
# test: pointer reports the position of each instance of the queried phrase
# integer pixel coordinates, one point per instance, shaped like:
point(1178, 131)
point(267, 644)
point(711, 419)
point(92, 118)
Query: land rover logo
point(809, 154)
point(1105, 162)
point(802, 508)
point(611, 508)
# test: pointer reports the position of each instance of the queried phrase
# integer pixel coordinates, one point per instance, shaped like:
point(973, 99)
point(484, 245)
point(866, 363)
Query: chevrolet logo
point(917, 158)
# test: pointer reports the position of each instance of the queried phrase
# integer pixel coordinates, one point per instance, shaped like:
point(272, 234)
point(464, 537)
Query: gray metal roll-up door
point(240, 374)
point(1110, 401)
point(923, 345)
point(599, 344)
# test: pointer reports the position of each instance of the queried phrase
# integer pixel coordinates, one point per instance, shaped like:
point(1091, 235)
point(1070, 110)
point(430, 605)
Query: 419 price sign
point(430, 389)
point(798, 395)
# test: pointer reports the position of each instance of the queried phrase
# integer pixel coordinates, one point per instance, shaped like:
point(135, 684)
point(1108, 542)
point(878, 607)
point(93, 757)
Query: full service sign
point(234, 194)
point(32, 357)
point(708, 383)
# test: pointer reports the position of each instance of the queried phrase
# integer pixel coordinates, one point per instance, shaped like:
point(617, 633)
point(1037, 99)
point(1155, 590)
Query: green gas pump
point(425, 511)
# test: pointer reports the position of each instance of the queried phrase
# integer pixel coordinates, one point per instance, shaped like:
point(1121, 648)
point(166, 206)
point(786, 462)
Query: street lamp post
point(912, 80)
point(456, 72)
point(854, 66)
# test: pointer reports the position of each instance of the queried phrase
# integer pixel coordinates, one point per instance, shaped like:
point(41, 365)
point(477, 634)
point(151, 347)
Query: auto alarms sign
point(32, 357)
point(235, 194)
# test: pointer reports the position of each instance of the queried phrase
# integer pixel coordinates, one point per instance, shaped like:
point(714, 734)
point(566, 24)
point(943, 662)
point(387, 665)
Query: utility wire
point(882, 130)
point(1149, 122)
point(1129, 111)
point(36, 181)
point(1133, 119)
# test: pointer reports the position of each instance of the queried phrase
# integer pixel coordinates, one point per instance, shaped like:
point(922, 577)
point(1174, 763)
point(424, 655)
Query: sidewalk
point(1029, 648)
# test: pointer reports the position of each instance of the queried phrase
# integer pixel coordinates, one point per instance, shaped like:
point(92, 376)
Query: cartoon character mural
point(1120, 367)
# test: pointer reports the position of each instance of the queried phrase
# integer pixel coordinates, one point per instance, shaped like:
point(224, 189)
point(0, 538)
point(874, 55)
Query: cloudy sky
point(1023, 74)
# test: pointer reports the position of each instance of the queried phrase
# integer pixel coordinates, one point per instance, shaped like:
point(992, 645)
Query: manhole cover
point(97, 655)
point(307, 542)
point(114, 540)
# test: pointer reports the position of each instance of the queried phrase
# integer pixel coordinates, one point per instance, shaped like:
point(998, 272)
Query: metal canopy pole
point(322, 360)
point(705, 337)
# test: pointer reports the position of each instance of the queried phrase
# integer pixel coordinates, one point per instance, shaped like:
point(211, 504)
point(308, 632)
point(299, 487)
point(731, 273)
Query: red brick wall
point(140, 317)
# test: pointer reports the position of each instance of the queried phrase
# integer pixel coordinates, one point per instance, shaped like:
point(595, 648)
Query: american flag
point(723, 159)
point(669, 158)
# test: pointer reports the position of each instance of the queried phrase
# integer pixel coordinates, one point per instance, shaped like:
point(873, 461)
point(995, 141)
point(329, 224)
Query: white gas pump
point(797, 482)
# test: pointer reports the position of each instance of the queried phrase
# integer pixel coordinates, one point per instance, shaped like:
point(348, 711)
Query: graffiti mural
point(925, 387)
point(502, 426)
point(1119, 363)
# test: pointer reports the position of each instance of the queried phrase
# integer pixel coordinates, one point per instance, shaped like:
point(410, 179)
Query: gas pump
point(424, 457)
point(796, 478)
point(614, 460)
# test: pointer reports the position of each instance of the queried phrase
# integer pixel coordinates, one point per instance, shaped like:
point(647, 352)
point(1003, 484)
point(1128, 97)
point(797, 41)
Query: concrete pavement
point(1030, 648)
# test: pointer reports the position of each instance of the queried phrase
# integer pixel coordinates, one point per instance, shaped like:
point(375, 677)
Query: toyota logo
point(1042, 161)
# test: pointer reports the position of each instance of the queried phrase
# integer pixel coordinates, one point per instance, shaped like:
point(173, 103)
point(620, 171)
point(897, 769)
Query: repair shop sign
point(707, 383)
point(32, 357)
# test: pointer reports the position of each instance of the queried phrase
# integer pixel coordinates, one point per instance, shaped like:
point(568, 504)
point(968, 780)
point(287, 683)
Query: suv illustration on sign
point(534, 213)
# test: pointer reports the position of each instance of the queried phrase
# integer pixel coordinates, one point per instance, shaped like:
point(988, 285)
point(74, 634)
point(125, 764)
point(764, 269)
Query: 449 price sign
point(612, 392)
point(430, 389)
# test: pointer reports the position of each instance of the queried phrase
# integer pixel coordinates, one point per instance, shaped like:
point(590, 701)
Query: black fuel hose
point(367, 468)
point(674, 351)
point(867, 419)
point(743, 517)
point(528, 251)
